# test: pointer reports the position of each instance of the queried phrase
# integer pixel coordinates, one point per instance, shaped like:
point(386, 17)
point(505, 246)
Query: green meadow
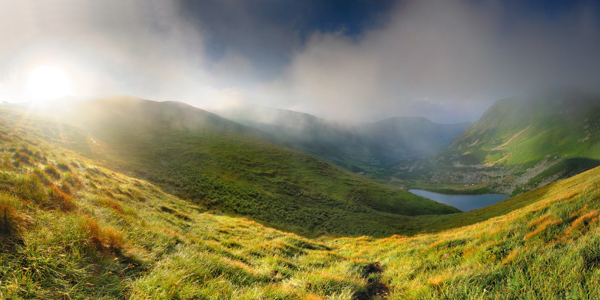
point(130, 210)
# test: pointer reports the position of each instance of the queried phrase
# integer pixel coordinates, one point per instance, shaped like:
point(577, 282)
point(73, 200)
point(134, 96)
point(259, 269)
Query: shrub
point(17, 163)
point(107, 192)
point(40, 156)
point(183, 216)
point(26, 151)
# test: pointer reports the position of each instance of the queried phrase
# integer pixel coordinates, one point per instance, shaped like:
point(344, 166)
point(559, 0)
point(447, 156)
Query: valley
point(212, 161)
point(359, 147)
point(124, 198)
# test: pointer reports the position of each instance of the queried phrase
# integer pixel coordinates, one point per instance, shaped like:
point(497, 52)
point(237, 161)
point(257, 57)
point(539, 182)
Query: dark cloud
point(268, 31)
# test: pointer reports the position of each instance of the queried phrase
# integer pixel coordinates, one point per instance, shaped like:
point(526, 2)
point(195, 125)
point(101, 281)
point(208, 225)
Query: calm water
point(462, 202)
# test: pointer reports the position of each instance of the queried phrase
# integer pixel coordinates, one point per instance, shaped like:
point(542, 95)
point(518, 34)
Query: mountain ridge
point(520, 143)
point(224, 165)
point(353, 145)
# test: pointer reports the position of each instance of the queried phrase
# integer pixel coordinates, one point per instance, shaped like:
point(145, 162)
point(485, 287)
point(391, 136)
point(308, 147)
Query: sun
point(46, 83)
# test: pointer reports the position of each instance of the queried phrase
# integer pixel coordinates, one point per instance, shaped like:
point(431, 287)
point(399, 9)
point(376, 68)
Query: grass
point(126, 238)
point(549, 249)
point(222, 165)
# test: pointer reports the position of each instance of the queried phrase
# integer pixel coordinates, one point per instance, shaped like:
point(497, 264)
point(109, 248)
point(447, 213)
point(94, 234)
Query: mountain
point(209, 160)
point(519, 143)
point(71, 228)
point(349, 144)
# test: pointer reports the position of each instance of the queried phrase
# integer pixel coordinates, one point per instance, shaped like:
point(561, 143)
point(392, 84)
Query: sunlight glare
point(48, 83)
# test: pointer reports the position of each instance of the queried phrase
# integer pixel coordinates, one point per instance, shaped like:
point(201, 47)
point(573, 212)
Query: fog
point(443, 60)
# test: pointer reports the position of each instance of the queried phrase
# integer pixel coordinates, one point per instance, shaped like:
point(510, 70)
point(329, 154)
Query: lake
point(462, 202)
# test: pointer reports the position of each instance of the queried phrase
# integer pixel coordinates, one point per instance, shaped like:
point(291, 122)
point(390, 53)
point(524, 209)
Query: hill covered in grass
point(72, 229)
point(355, 146)
point(544, 245)
point(211, 161)
point(519, 143)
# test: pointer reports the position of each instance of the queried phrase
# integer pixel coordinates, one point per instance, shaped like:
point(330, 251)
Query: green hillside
point(70, 229)
point(519, 143)
point(548, 249)
point(222, 165)
point(356, 146)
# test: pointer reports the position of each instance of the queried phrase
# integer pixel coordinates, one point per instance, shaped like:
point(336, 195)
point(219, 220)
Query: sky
point(354, 60)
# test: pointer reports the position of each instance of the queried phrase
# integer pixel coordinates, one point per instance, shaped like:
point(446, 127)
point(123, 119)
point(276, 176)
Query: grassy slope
point(548, 249)
point(556, 132)
point(70, 229)
point(222, 165)
point(530, 128)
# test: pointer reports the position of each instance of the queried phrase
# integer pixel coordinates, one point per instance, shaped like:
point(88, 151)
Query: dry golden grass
point(540, 220)
point(542, 227)
point(105, 240)
point(583, 223)
point(436, 281)
point(511, 256)
point(60, 199)
point(11, 220)
point(118, 207)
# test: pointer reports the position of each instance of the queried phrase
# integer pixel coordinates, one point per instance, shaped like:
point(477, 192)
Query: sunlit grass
point(112, 236)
